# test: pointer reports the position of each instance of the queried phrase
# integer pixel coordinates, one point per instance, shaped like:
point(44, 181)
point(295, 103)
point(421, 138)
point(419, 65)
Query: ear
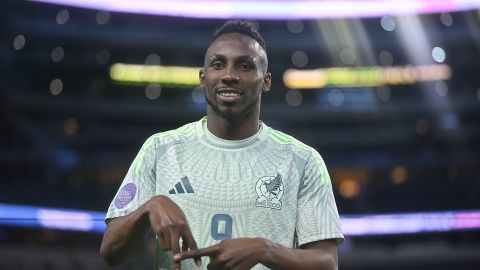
point(267, 82)
point(201, 76)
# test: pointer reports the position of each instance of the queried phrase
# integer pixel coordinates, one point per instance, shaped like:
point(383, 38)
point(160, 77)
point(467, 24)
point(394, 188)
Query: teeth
point(229, 94)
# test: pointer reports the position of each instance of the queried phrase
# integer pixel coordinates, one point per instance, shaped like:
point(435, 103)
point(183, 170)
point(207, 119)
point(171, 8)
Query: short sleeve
point(138, 185)
point(317, 217)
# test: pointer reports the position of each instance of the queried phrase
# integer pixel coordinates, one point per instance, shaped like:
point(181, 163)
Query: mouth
point(229, 92)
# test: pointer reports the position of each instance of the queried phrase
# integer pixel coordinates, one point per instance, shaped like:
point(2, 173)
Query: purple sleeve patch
point(125, 195)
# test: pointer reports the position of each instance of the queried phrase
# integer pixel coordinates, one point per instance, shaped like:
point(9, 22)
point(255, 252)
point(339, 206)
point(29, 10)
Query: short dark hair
point(242, 27)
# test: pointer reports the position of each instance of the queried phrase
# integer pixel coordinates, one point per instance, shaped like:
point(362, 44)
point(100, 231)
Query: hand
point(169, 224)
point(237, 254)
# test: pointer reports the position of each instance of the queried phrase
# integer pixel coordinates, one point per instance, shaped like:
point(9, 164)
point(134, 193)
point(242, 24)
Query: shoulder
point(289, 142)
point(184, 133)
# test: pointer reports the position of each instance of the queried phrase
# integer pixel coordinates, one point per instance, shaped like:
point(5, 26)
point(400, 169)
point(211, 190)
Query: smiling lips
point(229, 92)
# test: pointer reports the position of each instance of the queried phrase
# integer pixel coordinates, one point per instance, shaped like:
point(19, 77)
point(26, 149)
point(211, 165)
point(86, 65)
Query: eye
point(217, 65)
point(245, 66)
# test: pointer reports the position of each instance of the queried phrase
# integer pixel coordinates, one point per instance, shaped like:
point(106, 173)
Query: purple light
point(62, 219)
point(65, 220)
point(438, 6)
point(399, 223)
point(269, 9)
point(467, 220)
point(352, 225)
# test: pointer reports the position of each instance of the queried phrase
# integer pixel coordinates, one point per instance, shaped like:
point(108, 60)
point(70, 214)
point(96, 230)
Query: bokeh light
point(153, 91)
point(336, 97)
point(19, 42)
point(441, 88)
point(198, 95)
point(384, 93)
point(56, 86)
point(349, 188)
point(385, 58)
point(70, 126)
point(399, 175)
point(422, 127)
point(294, 98)
point(102, 57)
point(347, 56)
point(446, 19)
point(388, 23)
point(295, 26)
point(63, 16)
point(57, 54)
point(299, 59)
point(102, 17)
point(152, 59)
point(438, 54)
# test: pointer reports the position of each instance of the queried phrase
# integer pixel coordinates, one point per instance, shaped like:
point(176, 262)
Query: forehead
point(235, 44)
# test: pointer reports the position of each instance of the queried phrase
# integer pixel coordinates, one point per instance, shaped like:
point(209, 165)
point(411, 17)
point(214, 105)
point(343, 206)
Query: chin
point(231, 112)
point(228, 114)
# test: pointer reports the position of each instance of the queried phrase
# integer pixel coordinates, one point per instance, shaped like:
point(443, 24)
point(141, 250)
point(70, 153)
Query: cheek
point(209, 83)
point(257, 84)
point(212, 81)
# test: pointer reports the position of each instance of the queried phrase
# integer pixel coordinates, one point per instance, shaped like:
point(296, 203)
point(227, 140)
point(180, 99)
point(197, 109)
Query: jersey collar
point(211, 139)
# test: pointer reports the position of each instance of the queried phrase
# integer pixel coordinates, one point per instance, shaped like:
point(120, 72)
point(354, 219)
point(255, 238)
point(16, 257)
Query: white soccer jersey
point(269, 185)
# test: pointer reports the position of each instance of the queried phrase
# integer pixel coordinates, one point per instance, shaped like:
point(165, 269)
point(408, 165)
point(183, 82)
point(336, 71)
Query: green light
point(364, 76)
point(180, 77)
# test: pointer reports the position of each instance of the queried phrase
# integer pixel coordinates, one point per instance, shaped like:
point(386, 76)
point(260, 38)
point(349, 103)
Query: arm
point(317, 255)
point(124, 235)
point(244, 253)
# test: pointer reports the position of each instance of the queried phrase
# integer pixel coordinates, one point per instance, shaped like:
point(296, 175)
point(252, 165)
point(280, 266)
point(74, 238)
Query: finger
point(215, 264)
point(161, 242)
point(189, 239)
point(191, 244)
point(184, 245)
point(177, 259)
point(196, 253)
point(175, 249)
point(168, 242)
point(174, 243)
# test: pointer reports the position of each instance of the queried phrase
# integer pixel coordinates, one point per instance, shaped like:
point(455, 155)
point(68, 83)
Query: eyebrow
point(238, 59)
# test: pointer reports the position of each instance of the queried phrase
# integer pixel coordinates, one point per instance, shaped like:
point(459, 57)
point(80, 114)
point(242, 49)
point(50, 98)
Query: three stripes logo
point(183, 186)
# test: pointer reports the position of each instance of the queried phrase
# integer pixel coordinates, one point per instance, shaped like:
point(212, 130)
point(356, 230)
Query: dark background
point(402, 148)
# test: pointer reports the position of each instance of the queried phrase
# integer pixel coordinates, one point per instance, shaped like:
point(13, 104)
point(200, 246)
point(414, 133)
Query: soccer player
point(227, 189)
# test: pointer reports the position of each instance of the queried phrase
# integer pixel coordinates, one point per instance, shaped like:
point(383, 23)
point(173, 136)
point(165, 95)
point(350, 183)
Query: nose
point(230, 76)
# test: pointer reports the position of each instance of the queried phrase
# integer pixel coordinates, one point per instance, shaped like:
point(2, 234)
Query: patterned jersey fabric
point(269, 185)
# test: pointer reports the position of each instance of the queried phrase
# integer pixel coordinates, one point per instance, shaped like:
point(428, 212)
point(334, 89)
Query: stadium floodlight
point(175, 76)
point(346, 77)
point(273, 10)
point(351, 77)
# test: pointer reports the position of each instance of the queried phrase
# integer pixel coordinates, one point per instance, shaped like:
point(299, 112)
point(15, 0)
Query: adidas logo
point(179, 188)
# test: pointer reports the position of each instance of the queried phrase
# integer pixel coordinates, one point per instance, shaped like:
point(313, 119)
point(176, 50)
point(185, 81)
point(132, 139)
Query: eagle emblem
point(269, 192)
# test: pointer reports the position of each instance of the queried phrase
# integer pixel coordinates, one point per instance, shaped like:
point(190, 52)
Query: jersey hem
point(109, 218)
point(338, 237)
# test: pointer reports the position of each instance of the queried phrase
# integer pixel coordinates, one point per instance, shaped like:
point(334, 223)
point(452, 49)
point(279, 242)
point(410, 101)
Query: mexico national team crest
point(269, 192)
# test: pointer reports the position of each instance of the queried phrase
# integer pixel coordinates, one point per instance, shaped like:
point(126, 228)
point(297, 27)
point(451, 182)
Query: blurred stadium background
point(387, 91)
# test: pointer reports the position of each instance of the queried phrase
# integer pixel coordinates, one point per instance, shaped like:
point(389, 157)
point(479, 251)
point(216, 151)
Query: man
point(228, 187)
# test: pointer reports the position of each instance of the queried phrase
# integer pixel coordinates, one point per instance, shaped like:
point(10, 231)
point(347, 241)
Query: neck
point(238, 128)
